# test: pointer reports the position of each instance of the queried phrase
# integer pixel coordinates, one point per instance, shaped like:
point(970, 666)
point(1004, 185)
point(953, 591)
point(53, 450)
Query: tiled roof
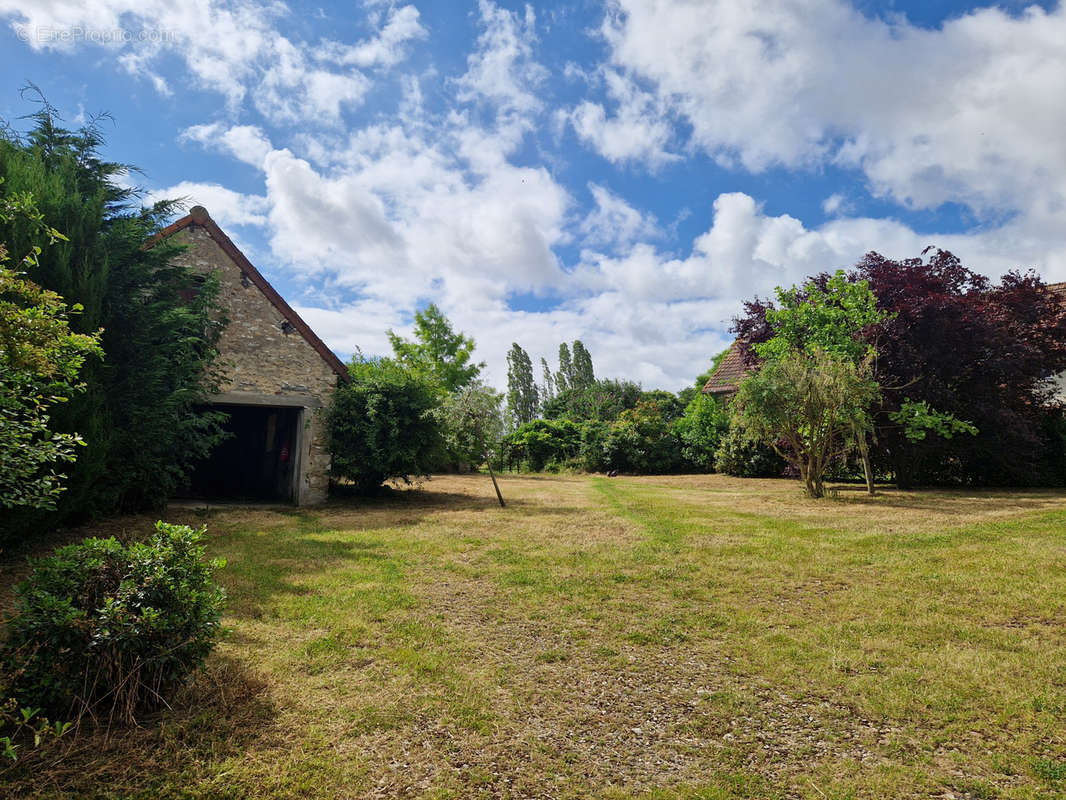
point(728, 374)
point(1059, 289)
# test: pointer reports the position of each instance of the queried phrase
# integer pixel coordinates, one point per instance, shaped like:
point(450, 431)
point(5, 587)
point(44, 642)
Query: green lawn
point(673, 637)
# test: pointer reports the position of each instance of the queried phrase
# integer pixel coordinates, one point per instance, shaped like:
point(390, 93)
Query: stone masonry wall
point(258, 358)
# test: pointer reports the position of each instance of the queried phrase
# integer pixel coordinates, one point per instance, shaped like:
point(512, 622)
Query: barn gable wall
point(264, 361)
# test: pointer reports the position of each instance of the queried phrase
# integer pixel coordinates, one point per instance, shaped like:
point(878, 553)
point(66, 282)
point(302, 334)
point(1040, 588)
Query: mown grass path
point(668, 637)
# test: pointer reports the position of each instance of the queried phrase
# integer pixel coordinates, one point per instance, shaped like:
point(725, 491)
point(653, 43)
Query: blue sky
point(624, 172)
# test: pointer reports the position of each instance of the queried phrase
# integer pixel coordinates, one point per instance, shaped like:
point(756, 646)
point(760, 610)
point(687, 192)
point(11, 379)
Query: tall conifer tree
point(522, 396)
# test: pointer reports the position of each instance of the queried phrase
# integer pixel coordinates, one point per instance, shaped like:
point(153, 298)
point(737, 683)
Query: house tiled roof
point(198, 216)
point(1059, 289)
point(728, 374)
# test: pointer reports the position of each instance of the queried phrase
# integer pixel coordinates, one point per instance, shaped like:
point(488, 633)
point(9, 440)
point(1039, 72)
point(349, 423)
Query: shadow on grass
point(225, 712)
point(365, 549)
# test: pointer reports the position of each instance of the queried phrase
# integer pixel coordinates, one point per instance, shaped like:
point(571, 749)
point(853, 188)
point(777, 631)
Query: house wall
point(263, 365)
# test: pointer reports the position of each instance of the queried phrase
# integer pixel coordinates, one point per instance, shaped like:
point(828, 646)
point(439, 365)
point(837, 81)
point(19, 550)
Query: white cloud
point(636, 132)
point(386, 49)
point(233, 47)
point(962, 114)
point(423, 206)
point(226, 206)
point(434, 204)
point(613, 222)
point(246, 142)
point(834, 204)
point(746, 252)
point(502, 70)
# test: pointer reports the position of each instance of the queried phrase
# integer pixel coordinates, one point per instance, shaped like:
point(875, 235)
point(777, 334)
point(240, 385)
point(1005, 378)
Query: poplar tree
point(583, 375)
point(547, 389)
point(522, 395)
point(563, 378)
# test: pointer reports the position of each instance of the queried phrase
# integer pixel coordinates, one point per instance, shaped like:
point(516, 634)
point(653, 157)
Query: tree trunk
point(811, 484)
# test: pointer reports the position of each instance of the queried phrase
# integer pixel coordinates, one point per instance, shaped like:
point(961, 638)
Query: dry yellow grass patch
point(667, 637)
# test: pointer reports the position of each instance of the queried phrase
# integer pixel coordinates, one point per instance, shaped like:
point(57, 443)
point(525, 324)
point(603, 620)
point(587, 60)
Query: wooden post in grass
point(488, 463)
point(864, 453)
point(495, 485)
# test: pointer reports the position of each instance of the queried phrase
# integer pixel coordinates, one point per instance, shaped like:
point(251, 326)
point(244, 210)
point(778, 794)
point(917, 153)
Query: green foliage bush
point(646, 439)
point(543, 441)
point(742, 459)
point(25, 728)
point(643, 440)
point(111, 630)
point(701, 429)
point(384, 424)
point(592, 449)
point(40, 359)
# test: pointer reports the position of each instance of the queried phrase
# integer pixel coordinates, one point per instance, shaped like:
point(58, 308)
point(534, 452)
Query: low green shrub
point(25, 728)
point(742, 459)
point(109, 630)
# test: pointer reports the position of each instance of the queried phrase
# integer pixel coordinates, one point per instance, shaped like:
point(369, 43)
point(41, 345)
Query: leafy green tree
point(141, 414)
point(705, 422)
point(667, 403)
point(603, 400)
point(808, 407)
point(472, 423)
point(583, 375)
point(383, 425)
point(439, 352)
point(835, 314)
point(829, 316)
point(970, 350)
point(39, 364)
point(473, 427)
point(523, 400)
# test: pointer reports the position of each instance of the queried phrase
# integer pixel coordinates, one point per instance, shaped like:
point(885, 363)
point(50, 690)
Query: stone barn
point(278, 378)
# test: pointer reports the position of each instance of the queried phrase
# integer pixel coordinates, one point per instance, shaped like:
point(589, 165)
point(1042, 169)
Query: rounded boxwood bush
point(111, 630)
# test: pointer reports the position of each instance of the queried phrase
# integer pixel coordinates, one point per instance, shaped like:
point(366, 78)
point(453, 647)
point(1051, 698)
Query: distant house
point(727, 376)
point(278, 378)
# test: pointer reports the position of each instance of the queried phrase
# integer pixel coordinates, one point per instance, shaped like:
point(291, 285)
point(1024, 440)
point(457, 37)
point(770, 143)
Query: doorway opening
point(258, 459)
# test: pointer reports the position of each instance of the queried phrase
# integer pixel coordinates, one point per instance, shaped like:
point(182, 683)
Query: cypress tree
point(141, 414)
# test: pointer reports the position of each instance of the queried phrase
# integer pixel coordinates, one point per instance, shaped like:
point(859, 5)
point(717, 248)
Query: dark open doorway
point(256, 462)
